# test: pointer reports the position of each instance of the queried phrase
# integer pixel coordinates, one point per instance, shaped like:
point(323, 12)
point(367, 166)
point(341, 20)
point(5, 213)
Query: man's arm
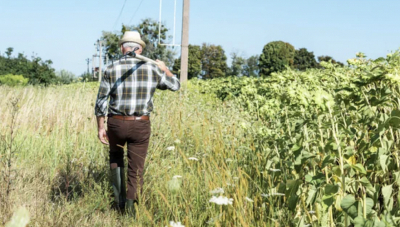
point(167, 79)
point(101, 107)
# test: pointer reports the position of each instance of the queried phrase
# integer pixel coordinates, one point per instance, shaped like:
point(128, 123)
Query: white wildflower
point(177, 176)
point(221, 200)
point(228, 160)
point(177, 141)
point(193, 158)
point(311, 212)
point(175, 224)
point(217, 191)
point(274, 170)
point(171, 148)
point(248, 199)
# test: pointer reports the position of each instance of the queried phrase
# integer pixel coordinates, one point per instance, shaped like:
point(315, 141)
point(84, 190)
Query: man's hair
point(131, 45)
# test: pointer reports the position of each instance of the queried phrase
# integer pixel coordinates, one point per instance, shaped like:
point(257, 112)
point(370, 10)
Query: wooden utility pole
point(185, 41)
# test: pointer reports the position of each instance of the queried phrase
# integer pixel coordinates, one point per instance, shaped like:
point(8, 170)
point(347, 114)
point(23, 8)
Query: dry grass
point(61, 170)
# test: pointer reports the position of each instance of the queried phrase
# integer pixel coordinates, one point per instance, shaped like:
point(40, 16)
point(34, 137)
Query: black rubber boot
point(123, 189)
point(130, 208)
point(118, 184)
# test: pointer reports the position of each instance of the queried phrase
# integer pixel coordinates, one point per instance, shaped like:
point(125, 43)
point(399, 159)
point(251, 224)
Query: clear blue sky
point(65, 31)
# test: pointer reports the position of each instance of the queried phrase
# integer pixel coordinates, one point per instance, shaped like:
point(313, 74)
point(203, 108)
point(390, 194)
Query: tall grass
point(62, 168)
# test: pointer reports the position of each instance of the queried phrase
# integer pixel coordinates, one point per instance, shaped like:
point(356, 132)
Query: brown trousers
point(136, 134)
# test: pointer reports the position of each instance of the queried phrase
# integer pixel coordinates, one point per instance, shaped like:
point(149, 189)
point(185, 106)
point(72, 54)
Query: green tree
point(65, 77)
point(42, 72)
point(251, 69)
point(329, 59)
point(238, 65)
point(111, 47)
point(303, 59)
point(213, 61)
point(9, 52)
point(194, 62)
point(149, 32)
point(275, 57)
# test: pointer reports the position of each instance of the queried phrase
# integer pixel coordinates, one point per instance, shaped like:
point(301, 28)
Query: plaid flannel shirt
point(130, 84)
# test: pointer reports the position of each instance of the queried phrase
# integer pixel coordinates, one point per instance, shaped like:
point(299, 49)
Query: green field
point(313, 148)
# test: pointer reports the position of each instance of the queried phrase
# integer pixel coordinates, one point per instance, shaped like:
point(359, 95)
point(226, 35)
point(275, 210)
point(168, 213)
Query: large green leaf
point(394, 120)
point(397, 178)
point(367, 184)
point(327, 201)
point(327, 161)
point(383, 160)
point(291, 187)
point(311, 196)
point(331, 189)
point(360, 168)
point(369, 203)
point(359, 222)
point(292, 202)
point(387, 193)
point(349, 206)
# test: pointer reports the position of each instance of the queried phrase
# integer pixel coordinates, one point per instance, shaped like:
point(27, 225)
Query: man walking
point(130, 84)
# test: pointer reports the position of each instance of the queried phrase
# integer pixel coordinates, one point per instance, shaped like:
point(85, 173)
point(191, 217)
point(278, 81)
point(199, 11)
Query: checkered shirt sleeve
point(102, 96)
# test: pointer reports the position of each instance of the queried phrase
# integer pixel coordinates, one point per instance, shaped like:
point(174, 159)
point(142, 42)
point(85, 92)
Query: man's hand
point(103, 136)
point(164, 68)
point(102, 132)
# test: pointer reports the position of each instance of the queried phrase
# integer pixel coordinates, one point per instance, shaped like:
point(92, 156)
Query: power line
point(137, 9)
point(120, 13)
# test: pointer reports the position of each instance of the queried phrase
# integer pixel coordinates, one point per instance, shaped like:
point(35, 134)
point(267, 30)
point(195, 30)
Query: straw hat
point(132, 36)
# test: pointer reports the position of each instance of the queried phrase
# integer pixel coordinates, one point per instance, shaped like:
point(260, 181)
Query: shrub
point(13, 80)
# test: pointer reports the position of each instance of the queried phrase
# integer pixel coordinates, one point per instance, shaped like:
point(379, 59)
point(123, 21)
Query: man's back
point(130, 84)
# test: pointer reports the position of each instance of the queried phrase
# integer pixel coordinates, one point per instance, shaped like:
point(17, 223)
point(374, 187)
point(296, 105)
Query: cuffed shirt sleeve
point(167, 82)
point(100, 108)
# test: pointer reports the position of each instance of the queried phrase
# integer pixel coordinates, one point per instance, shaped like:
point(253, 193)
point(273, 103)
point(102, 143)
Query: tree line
point(209, 61)
point(21, 70)
point(206, 61)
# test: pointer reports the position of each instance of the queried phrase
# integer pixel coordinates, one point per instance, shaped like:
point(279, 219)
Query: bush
point(13, 80)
